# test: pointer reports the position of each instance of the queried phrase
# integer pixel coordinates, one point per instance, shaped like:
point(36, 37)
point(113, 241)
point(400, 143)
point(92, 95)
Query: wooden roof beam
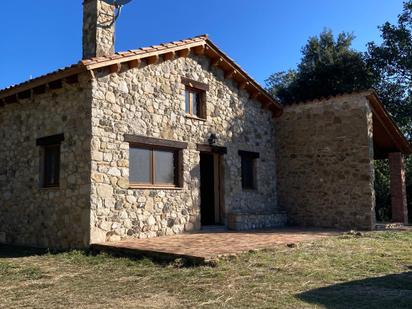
point(199, 50)
point(230, 74)
point(40, 89)
point(169, 56)
point(115, 68)
point(57, 84)
point(255, 95)
point(152, 59)
point(216, 62)
point(183, 52)
point(134, 63)
point(25, 94)
point(72, 79)
point(11, 99)
point(244, 85)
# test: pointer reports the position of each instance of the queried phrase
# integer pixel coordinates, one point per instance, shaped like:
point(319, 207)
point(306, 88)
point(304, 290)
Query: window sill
point(49, 188)
point(194, 117)
point(250, 190)
point(146, 187)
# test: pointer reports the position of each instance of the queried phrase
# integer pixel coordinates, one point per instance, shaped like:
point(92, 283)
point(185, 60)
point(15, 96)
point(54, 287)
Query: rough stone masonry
point(149, 101)
point(325, 163)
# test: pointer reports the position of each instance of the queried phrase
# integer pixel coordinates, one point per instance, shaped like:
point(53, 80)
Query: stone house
point(175, 137)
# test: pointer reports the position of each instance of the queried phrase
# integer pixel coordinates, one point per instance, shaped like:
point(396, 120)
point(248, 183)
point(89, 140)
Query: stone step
point(391, 226)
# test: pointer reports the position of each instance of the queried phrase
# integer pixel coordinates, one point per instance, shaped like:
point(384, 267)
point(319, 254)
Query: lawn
point(369, 271)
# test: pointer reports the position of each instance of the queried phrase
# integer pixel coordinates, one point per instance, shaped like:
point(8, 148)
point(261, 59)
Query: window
point(248, 169)
point(195, 98)
point(153, 167)
point(50, 160)
point(193, 102)
point(155, 162)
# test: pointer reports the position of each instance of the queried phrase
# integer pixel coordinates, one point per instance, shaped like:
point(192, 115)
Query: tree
point(328, 67)
point(391, 62)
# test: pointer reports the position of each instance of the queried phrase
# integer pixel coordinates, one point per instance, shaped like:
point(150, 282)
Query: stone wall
point(325, 163)
point(29, 214)
point(150, 101)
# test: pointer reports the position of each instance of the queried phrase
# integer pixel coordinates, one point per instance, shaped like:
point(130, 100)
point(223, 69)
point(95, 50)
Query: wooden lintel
point(194, 84)
point(72, 79)
point(153, 59)
point(134, 63)
point(169, 56)
point(115, 68)
point(230, 74)
point(184, 52)
point(211, 149)
point(139, 140)
point(216, 62)
point(199, 50)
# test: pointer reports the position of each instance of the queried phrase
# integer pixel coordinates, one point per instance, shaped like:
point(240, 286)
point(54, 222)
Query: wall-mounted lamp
point(212, 139)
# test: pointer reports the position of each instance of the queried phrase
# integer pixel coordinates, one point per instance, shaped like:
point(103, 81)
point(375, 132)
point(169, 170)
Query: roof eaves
point(275, 103)
point(41, 80)
point(379, 109)
point(142, 53)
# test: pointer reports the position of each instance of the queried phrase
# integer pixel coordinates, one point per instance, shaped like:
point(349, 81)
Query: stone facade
point(149, 101)
point(325, 163)
point(29, 214)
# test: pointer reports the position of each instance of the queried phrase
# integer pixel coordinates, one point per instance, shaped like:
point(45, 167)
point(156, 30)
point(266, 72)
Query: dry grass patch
point(372, 271)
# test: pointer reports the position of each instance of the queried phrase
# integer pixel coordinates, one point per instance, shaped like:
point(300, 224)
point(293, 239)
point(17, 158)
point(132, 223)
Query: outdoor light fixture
point(212, 139)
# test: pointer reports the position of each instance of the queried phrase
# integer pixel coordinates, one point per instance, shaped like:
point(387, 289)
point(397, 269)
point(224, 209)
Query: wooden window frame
point(253, 156)
point(200, 89)
point(153, 145)
point(47, 143)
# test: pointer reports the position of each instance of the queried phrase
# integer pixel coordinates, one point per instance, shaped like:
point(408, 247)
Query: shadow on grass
point(392, 291)
point(7, 251)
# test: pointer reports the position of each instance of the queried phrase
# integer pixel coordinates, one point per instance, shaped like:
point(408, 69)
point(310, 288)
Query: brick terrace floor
point(206, 246)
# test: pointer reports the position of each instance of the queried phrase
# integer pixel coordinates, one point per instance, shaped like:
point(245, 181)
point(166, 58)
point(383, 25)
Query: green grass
point(372, 271)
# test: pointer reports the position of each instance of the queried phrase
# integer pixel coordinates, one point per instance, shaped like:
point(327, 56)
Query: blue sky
point(263, 36)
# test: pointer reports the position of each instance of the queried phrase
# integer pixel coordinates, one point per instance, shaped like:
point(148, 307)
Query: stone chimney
point(98, 28)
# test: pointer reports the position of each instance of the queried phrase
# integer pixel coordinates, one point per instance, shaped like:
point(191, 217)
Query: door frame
point(218, 153)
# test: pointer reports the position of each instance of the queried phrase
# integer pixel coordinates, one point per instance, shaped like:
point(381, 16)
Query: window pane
point(248, 181)
point(51, 165)
point(187, 106)
point(164, 167)
point(195, 97)
point(140, 165)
